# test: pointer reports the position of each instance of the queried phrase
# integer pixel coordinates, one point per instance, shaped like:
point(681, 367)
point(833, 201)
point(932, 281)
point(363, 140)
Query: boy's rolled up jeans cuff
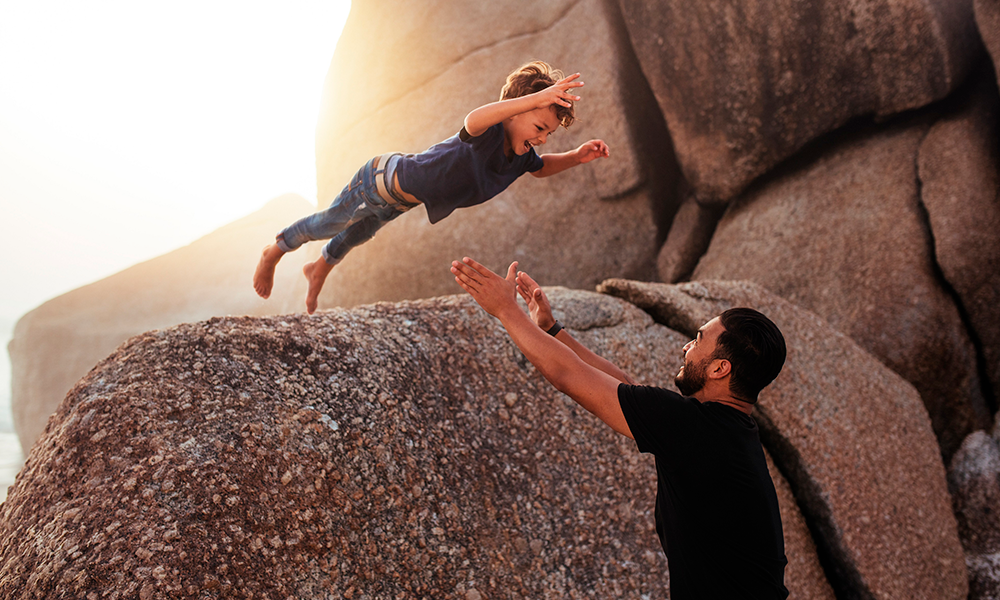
point(330, 260)
point(280, 240)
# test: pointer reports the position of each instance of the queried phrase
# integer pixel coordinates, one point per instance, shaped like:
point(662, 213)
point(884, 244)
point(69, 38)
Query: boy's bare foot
point(315, 273)
point(263, 277)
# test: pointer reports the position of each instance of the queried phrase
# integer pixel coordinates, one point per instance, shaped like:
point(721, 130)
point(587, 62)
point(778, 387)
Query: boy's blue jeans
point(352, 218)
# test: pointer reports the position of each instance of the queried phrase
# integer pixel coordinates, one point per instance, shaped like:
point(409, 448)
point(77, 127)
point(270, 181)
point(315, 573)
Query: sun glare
point(131, 128)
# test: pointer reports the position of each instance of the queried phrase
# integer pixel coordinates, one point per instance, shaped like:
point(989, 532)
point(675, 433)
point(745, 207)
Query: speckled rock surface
point(959, 168)
point(804, 577)
point(844, 235)
point(853, 439)
point(743, 85)
point(974, 482)
point(984, 576)
point(599, 220)
point(56, 344)
point(689, 237)
point(988, 22)
point(390, 451)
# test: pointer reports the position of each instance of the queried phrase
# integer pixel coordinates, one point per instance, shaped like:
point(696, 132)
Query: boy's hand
point(591, 150)
point(559, 92)
point(492, 292)
point(538, 304)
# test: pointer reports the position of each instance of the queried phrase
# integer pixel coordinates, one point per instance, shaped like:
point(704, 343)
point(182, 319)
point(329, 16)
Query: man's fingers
point(466, 283)
point(468, 270)
point(464, 274)
point(476, 266)
point(528, 281)
point(512, 271)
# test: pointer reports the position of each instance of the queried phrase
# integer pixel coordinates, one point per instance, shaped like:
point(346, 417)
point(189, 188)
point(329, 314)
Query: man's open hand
point(492, 292)
point(538, 304)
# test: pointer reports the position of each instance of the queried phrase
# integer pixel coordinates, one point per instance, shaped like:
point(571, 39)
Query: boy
point(495, 147)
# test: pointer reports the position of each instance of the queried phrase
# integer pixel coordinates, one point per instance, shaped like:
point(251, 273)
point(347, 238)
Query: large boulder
point(57, 343)
point(389, 450)
point(852, 438)
point(603, 219)
point(744, 85)
point(384, 451)
point(844, 234)
point(689, 237)
point(804, 576)
point(959, 168)
point(988, 21)
point(974, 482)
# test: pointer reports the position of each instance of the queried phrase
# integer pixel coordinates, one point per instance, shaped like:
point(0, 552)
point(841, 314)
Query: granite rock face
point(974, 482)
point(744, 85)
point(804, 576)
point(988, 22)
point(853, 440)
point(404, 450)
point(390, 450)
point(959, 168)
point(845, 236)
point(57, 343)
point(603, 219)
point(689, 237)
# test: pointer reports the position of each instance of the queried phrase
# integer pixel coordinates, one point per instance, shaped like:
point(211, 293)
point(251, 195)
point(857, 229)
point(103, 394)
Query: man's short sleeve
point(661, 421)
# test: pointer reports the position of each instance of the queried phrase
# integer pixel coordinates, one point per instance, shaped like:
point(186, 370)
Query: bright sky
point(128, 129)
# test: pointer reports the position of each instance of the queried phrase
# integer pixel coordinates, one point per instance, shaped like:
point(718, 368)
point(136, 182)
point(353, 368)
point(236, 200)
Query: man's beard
point(693, 378)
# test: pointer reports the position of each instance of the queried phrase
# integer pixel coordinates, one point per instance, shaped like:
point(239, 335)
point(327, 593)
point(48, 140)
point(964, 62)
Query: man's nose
point(684, 350)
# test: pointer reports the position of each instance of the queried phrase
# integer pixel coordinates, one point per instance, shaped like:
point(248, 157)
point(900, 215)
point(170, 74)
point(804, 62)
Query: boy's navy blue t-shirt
point(462, 171)
point(716, 508)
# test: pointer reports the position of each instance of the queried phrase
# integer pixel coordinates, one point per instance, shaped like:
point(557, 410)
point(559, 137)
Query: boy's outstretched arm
point(541, 313)
point(590, 387)
point(488, 115)
point(557, 163)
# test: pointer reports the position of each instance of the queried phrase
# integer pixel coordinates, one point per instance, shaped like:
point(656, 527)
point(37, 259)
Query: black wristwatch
point(555, 329)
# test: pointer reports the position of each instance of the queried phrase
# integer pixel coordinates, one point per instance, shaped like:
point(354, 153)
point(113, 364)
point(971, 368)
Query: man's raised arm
point(590, 387)
point(541, 313)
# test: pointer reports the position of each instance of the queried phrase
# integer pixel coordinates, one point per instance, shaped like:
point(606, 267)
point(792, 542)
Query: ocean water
point(10, 449)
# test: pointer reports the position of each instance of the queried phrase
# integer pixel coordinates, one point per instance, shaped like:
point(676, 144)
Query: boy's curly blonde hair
point(533, 77)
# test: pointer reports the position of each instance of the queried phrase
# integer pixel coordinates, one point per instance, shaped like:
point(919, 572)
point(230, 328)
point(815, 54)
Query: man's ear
point(719, 368)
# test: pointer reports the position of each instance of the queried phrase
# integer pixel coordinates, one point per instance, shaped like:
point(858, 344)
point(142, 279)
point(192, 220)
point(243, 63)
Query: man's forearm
point(588, 356)
point(590, 386)
point(551, 357)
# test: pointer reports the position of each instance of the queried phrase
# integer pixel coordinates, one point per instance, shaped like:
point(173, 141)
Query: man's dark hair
point(754, 347)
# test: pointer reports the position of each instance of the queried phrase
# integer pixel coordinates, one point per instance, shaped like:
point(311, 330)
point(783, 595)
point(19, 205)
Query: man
point(716, 510)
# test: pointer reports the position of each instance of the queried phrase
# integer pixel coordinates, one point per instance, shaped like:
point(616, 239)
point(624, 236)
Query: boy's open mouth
point(527, 146)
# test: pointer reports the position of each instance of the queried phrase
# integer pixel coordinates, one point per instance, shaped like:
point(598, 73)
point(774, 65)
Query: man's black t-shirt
point(716, 509)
